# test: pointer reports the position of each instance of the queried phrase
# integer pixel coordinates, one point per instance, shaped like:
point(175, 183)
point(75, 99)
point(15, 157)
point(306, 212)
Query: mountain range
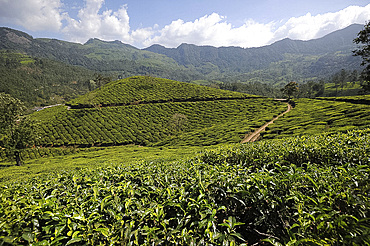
point(275, 64)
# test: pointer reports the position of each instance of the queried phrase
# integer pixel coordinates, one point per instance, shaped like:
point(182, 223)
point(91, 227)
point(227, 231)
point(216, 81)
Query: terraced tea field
point(204, 123)
point(174, 175)
point(145, 89)
point(317, 116)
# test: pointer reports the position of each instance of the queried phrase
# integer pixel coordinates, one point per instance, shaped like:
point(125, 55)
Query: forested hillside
point(41, 81)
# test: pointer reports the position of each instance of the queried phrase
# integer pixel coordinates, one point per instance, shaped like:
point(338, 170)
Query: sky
point(142, 23)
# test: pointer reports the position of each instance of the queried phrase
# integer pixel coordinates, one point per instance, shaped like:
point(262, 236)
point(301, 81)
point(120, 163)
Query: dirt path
point(254, 136)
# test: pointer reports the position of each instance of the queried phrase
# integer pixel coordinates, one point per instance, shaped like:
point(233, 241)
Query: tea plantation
point(145, 161)
point(146, 89)
point(312, 116)
point(155, 111)
point(293, 191)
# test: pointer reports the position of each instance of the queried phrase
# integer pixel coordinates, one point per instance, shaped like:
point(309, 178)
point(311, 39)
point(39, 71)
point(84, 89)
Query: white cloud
point(108, 25)
point(309, 27)
point(216, 31)
point(93, 21)
point(34, 15)
point(212, 30)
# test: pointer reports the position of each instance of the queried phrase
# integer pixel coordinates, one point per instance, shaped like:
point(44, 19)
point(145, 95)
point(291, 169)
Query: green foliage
point(363, 38)
point(178, 122)
point(40, 161)
point(254, 88)
point(348, 89)
point(16, 133)
point(10, 110)
point(290, 89)
point(276, 64)
point(296, 191)
point(316, 116)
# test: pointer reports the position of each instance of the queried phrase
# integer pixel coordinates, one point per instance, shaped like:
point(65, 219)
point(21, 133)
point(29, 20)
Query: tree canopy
point(290, 89)
point(16, 131)
point(363, 38)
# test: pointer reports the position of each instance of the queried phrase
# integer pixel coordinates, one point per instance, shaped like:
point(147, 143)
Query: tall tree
point(363, 37)
point(17, 132)
point(290, 89)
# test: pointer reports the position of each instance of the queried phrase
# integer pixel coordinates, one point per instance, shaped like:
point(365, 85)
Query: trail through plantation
point(254, 136)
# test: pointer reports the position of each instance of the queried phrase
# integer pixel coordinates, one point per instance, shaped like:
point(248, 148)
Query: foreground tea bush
point(295, 191)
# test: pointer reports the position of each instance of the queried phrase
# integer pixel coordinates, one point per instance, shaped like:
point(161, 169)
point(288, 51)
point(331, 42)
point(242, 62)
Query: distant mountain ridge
point(245, 60)
point(277, 63)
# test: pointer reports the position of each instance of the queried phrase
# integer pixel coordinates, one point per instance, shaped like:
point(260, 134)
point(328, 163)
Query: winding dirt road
point(254, 136)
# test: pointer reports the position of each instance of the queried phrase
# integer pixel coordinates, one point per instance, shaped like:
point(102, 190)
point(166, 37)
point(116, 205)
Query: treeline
point(342, 83)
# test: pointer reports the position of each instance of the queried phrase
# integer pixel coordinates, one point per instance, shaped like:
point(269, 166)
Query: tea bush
point(293, 191)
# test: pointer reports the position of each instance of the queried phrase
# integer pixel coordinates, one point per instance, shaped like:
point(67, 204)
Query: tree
point(178, 122)
point(17, 132)
point(290, 89)
point(342, 78)
point(363, 37)
point(100, 80)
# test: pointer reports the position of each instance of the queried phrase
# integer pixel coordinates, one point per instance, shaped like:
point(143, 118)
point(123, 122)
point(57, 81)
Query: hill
point(148, 111)
point(146, 89)
point(97, 55)
point(303, 189)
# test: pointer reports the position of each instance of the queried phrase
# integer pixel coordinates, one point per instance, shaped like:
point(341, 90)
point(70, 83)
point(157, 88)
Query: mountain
point(323, 53)
point(101, 56)
point(275, 64)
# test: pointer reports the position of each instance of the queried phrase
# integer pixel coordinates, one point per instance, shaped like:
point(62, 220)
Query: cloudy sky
point(244, 23)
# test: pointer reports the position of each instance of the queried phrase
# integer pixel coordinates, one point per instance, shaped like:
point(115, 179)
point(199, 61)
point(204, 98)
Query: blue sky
point(172, 22)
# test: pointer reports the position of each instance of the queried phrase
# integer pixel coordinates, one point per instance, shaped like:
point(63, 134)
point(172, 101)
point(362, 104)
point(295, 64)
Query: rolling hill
point(149, 111)
point(146, 89)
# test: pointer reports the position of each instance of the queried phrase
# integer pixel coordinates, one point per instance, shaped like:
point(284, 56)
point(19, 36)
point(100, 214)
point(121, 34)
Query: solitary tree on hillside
point(178, 122)
point(290, 89)
point(16, 131)
point(363, 37)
